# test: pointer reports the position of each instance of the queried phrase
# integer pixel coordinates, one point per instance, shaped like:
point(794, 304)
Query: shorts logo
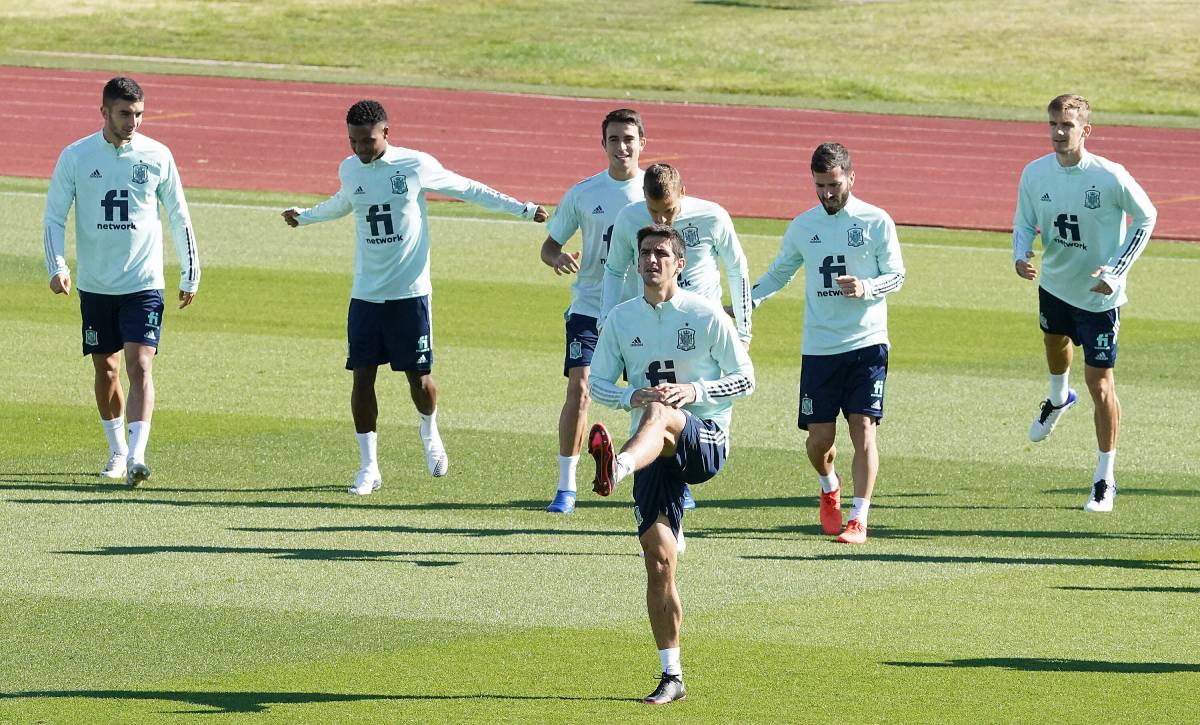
point(423, 343)
point(854, 237)
point(1101, 356)
point(637, 515)
point(399, 185)
point(152, 319)
point(877, 392)
point(422, 360)
point(691, 235)
point(150, 335)
point(575, 350)
point(141, 174)
point(1091, 199)
point(91, 338)
point(686, 339)
point(1045, 324)
point(806, 407)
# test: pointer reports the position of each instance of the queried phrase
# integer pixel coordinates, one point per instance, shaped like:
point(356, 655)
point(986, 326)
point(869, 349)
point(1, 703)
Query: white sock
point(828, 483)
point(114, 431)
point(669, 658)
point(566, 473)
point(1058, 389)
point(367, 450)
point(429, 431)
point(624, 465)
point(859, 512)
point(1104, 465)
point(139, 436)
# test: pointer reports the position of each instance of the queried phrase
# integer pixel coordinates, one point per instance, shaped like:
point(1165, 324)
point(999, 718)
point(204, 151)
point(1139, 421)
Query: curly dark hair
point(829, 156)
point(122, 88)
point(366, 113)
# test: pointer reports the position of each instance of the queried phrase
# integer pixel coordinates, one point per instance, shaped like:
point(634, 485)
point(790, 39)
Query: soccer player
point(708, 235)
point(851, 256)
point(1078, 201)
point(117, 178)
point(685, 366)
point(591, 207)
point(390, 319)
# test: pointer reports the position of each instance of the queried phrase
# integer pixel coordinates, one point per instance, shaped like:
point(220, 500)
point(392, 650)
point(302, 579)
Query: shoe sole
point(664, 702)
point(374, 487)
point(134, 478)
point(601, 449)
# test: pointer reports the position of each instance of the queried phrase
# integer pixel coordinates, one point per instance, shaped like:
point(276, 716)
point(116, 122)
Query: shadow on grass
point(16, 483)
point(1160, 565)
point(1137, 491)
point(251, 702)
point(348, 503)
point(316, 554)
point(1155, 590)
point(469, 533)
point(1044, 664)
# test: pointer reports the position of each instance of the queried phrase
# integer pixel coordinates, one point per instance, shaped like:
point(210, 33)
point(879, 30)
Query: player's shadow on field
point(1153, 590)
point(1139, 564)
point(320, 554)
point(1139, 491)
point(348, 502)
point(221, 703)
point(1045, 664)
point(470, 533)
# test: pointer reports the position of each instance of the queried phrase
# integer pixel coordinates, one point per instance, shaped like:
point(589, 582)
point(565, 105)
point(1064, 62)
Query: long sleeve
point(170, 195)
point(607, 365)
point(783, 268)
point(437, 178)
point(1024, 221)
point(737, 272)
point(891, 267)
point(58, 204)
point(335, 207)
point(617, 265)
point(737, 378)
point(1136, 204)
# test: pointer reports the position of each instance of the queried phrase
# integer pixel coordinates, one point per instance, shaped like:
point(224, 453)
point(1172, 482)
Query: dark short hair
point(830, 156)
point(1072, 102)
point(366, 113)
point(662, 230)
point(122, 88)
point(661, 179)
point(623, 115)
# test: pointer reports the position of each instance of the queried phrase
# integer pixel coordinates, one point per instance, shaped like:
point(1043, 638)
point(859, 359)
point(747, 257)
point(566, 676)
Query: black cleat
point(670, 688)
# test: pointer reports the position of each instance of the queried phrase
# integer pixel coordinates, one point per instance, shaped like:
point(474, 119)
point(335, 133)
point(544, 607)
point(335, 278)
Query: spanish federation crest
point(685, 339)
point(854, 237)
point(575, 350)
point(399, 184)
point(1091, 199)
point(691, 235)
point(806, 405)
point(141, 173)
point(91, 337)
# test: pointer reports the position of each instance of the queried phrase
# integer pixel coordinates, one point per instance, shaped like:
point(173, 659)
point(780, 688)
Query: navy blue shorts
point(1095, 331)
point(581, 342)
point(110, 321)
point(848, 382)
point(396, 332)
point(658, 488)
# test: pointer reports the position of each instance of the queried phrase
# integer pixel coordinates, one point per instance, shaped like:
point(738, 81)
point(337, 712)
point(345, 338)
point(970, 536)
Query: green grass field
point(242, 582)
point(1137, 60)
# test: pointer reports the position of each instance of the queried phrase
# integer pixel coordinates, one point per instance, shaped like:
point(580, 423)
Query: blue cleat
point(563, 503)
point(689, 503)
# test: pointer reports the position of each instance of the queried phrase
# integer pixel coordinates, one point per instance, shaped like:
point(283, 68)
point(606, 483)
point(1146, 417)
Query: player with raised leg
point(390, 317)
point(591, 207)
point(685, 366)
point(117, 178)
point(1079, 202)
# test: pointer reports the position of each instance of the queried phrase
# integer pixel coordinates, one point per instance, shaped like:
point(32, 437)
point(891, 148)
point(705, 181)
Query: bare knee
point(819, 441)
point(1101, 384)
point(862, 432)
point(577, 393)
point(660, 570)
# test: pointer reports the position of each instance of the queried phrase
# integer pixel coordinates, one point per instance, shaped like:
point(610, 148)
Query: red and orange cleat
point(831, 510)
point(855, 533)
point(601, 447)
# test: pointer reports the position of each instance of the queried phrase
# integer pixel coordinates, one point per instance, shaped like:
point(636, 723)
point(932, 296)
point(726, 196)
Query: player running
point(590, 207)
point(851, 256)
point(1079, 201)
point(685, 367)
point(117, 178)
point(390, 318)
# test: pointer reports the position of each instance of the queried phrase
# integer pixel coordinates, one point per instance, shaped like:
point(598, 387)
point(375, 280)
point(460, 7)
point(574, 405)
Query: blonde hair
point(1072, 102)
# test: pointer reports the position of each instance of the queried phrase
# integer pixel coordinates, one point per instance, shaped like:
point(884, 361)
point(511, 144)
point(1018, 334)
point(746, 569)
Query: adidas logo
point(150, 335)
point(1101, 356)
point(359, 190)
point(815, 240)
point(1045, 197)
point(637, 342)
point(876, 405)
point(96, 174)
point(598, 210)
point(422, 360)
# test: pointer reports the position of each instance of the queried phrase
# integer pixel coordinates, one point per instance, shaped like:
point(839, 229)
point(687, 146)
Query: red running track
point(281, 136)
